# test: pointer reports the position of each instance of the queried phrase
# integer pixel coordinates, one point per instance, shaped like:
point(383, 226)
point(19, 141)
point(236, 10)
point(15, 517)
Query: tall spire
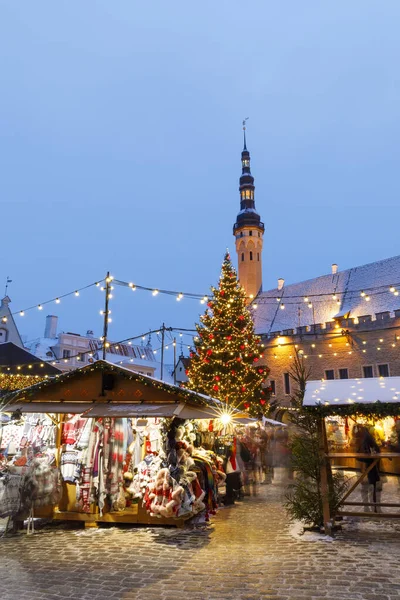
point(248, 229)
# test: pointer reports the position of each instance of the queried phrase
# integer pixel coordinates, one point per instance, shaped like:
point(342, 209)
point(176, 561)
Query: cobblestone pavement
point(248, 553)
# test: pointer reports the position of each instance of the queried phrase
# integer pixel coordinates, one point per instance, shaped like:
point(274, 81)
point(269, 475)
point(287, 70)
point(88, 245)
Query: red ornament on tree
point(242, 347)
point(241, 317)
point(209, 304)
point(217, 378)
point(222, 293)
point(243, 388)
point(233, 372)
point(262, 401)
point(261, 370)
point(246, 405)
point(209, 352)
point(215, 388)
point(256, 359)
point(211, 336)
point(229, 337)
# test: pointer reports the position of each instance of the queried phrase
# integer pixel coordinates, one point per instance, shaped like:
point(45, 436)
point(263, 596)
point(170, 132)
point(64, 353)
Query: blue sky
point(121, 136)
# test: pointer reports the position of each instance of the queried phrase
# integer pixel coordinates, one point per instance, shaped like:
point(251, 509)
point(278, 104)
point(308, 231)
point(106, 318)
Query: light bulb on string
point(57, 300)
point(309, 305)
point(40, 307)
point(367, 298)
point(179, 296)
point(76, 293)
point(392, 289)
point(305, 299)
point(282, 307)
point(21, 313)
point(334, 297)
point(362, 294)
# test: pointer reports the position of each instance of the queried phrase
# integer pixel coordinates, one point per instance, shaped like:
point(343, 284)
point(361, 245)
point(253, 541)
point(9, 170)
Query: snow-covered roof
point(349, 391)
point(268, 316)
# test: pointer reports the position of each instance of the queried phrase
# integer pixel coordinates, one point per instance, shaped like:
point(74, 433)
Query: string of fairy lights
point(110, 282)
point(366, 293)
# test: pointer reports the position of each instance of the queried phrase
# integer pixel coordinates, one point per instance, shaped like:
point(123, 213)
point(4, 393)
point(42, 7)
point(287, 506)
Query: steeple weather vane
point(244, 132)
point(8, 280)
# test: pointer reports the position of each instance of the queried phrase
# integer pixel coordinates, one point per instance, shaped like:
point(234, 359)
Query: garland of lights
point(377, 410)
point(16, 382)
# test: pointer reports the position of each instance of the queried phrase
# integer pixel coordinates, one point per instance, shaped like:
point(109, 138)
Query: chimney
point(334, 268)
point(281, 282)
point(50, 330)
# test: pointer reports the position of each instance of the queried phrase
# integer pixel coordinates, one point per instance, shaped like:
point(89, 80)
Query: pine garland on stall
point(225, 361)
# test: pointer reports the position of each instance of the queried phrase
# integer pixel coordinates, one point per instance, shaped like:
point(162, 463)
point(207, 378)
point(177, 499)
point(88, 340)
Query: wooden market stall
point(366, 409)
point(105, 391)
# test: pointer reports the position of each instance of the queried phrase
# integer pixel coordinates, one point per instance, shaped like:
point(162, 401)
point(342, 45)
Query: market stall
point(113, 446)
point(359, 428)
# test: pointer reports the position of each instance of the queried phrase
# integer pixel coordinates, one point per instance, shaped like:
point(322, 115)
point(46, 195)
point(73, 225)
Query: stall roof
point(71, 387)
point(338, 392)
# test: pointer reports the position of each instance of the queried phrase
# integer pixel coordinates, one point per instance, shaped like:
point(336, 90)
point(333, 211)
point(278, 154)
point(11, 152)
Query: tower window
point(242, 256)
point(241, 234)
point(251, 255)
point(250, 233)
point(258, 256)
point(246, 162)
point(259, 234)
point(248, 194)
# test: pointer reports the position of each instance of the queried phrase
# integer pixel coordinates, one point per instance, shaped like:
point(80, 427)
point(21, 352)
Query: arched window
point(258, 256)
point(242, 256)
point(3, 335)
point(243, 194)
point(250, 232)
point(241, 234)
point(248, 194)
point(251, 255)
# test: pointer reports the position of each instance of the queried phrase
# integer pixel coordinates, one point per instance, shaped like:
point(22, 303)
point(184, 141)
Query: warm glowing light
point(367, 298)
point(21, 313)
point(155, 292)
point(282, 307)
point(40, 307)
point(362, 294)
point(58, 300)
point(392, 288)
point(76, 293)
point(225, 418)
point(306, 299)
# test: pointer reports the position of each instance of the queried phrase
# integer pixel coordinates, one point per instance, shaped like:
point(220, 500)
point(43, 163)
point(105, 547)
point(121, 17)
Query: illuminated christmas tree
point(225, 362)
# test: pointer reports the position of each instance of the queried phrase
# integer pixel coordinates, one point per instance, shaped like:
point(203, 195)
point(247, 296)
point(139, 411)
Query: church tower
point(248, 231)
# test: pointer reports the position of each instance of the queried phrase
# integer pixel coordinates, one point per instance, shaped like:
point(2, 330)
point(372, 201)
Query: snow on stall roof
point(209, 399)
point(349, 391)
point(269, 317)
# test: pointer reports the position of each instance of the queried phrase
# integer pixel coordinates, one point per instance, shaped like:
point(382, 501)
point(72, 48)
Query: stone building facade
point(346, 324)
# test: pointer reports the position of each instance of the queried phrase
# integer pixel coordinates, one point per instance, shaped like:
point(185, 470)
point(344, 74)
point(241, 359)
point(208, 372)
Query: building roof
point(12, 357)
point(374, 278)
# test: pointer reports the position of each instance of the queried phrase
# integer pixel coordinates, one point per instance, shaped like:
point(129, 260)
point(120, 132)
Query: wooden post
point(323, 450)
point(174, 361)
point(162, 349)
point(106, 311)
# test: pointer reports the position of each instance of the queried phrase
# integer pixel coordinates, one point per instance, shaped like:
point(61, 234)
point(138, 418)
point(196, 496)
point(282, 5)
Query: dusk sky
point(121, 137)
